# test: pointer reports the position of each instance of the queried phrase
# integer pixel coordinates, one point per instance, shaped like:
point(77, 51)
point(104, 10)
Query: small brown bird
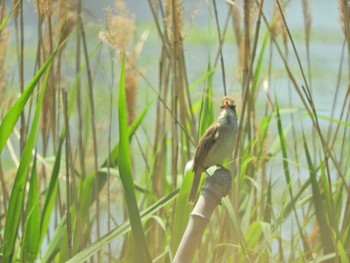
point(216, 144)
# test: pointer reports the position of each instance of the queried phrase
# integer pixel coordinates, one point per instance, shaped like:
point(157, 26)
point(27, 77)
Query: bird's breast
point(223, 145)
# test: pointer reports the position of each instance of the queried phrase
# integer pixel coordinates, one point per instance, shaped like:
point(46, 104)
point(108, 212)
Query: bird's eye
point(222, 107)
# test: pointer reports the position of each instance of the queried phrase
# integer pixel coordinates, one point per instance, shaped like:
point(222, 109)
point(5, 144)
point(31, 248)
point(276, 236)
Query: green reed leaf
point(15, 111)
point(18, 190)
point(31, 234)
point(125, 171)
point(325, 231)
point(121, 229)
point(206, 116)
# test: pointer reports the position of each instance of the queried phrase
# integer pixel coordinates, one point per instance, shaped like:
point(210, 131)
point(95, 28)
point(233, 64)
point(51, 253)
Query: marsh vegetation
point(99, 118)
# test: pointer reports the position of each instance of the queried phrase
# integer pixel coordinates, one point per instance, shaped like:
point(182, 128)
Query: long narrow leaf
point(7, 17)
point(325, 231)
point(88, 189)
point(125, 171)
point(259, 64)
point(121, 230)
point(51, 194)
point(182, 212)
point(206, 117)
point(53, 184)
point(17, 194)
point(15, 111)
point(32, 226)
point(288, 178)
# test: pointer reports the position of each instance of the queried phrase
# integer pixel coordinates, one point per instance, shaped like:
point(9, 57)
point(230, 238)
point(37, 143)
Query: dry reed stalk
point(58, 22)
point(171, 63)
point(277, 27)
point(68, 175)
point(2, 11)
point(81, 145)
point(180, 99)
point(44, 8)
point(159, 146)
point(344, 10)
point(173, 21)
point(245, 122)
point(17, 9)
point(307, 21)
point(19, 25)
point(48, 120)
point(236, 15)
point(3, 69)
point(221, 42)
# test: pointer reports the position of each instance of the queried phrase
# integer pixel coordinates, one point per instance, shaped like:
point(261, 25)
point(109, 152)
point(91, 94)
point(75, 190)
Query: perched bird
point(216, 144)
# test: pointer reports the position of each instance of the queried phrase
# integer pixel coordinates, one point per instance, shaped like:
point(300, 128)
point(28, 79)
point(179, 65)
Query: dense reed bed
point(95, 134)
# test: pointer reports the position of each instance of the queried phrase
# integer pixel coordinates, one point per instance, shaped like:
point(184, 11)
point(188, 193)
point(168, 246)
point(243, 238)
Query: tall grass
point(92, 169)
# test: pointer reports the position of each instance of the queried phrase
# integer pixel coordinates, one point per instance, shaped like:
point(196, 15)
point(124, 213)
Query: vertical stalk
point(93, 124)
point(220, 47)
point(110, 256)
point(81, 147)
point(21, 74)
point(68, 197)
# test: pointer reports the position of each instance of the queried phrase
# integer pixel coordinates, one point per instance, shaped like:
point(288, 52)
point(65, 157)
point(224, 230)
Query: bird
point(216, 144)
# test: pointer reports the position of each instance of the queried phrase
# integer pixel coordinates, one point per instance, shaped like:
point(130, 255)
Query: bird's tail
point(193, 194)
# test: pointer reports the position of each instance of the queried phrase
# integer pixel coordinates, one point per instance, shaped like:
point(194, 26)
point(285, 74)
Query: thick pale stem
point(216, 187)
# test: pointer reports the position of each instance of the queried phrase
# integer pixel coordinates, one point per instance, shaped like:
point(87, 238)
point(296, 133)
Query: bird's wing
point(206, 142)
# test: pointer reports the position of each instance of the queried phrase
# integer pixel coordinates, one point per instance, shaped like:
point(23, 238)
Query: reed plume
point(278, 27)
point(119, 35)
point(344, 13)
point(174, 24)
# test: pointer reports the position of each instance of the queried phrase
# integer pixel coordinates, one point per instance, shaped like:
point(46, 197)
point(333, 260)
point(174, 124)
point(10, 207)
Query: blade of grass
point(125, 171)
point(17, 194)
point(268, 204)
point(288, 179)
point(7, 17)
point(236, 225)
point(15, 111)
point(206, 116)
point(259, 64)
point(121, 229)
point(32, 226)
point(53, 184)
point(87, 191)
point(325, 231)
point(258, 232)
point(51, 192)
point(342, 253)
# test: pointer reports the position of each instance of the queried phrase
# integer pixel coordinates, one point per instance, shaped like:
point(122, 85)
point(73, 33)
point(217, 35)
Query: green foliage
point(16, 110)
point(325, 229)
point(182, 212)
point(125, 171)
point(290, 195)
point(32, 226)
point(206, 116)
point(17, 193)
